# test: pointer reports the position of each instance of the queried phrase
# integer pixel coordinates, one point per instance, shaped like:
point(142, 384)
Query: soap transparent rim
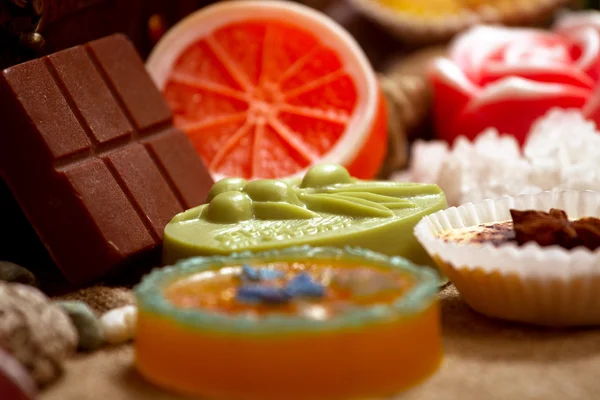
point(530, 259)
point(417, 299)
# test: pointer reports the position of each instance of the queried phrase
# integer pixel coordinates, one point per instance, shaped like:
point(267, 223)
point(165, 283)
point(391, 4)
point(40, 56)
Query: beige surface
point(485, 360)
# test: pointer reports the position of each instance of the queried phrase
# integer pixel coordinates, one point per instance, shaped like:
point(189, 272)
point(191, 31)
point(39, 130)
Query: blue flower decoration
point(259, 274)
point(302, 285)
point(262, 294)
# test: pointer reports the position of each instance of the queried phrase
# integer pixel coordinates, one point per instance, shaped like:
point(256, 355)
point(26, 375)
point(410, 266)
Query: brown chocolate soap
point(90, 153)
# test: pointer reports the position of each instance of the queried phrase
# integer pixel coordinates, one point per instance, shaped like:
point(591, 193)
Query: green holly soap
point(327, 207)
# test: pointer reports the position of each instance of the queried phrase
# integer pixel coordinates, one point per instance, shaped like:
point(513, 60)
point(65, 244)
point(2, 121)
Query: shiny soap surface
point(347, 286)
point(376, 325)
point(327, 207)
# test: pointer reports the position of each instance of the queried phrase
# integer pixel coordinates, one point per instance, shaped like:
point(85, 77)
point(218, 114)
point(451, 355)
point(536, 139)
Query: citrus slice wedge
point(265, 89)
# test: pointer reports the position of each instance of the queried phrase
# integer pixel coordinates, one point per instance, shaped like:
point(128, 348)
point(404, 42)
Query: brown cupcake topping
point(555, 228)
point(546, 229)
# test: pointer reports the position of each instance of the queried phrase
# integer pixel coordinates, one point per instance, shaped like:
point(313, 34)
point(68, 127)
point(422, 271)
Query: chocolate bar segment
point(138, 175)
point(108, 209)
point(92, 100)
point(126, 75)
point(90, 153)
point(43, 104)
point(177, 159)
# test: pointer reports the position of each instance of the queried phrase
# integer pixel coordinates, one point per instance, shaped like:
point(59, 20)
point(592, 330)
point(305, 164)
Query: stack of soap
point(90, 153)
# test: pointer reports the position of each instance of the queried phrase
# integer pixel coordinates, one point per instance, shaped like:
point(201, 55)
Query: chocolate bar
point(90, 153)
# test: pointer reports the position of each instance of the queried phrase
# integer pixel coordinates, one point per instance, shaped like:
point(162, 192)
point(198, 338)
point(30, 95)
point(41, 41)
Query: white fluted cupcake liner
point(540, 285)
point(410, 27)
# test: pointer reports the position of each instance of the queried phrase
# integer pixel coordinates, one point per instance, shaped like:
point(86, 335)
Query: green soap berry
point(229, 208)
point(91, 335)
point(270, 190)
point(325, 175)
point(225, 185)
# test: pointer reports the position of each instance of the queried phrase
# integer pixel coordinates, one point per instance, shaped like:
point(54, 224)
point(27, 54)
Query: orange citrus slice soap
point(265, 89)
point(300, 324)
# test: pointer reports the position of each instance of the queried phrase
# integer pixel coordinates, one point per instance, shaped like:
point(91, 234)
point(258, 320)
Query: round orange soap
point(266, 89)
point(300, 323)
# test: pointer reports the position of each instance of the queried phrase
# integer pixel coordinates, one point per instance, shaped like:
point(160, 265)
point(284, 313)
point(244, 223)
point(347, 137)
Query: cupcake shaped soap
point(327, 207)
point(301, 323)
point(532, 258)
point(436, 20)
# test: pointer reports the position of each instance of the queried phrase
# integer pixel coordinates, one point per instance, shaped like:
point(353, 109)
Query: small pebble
point(35, 331)
point(119, 324)
point(15, 381)
point(91, 333)
point(11, 272)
